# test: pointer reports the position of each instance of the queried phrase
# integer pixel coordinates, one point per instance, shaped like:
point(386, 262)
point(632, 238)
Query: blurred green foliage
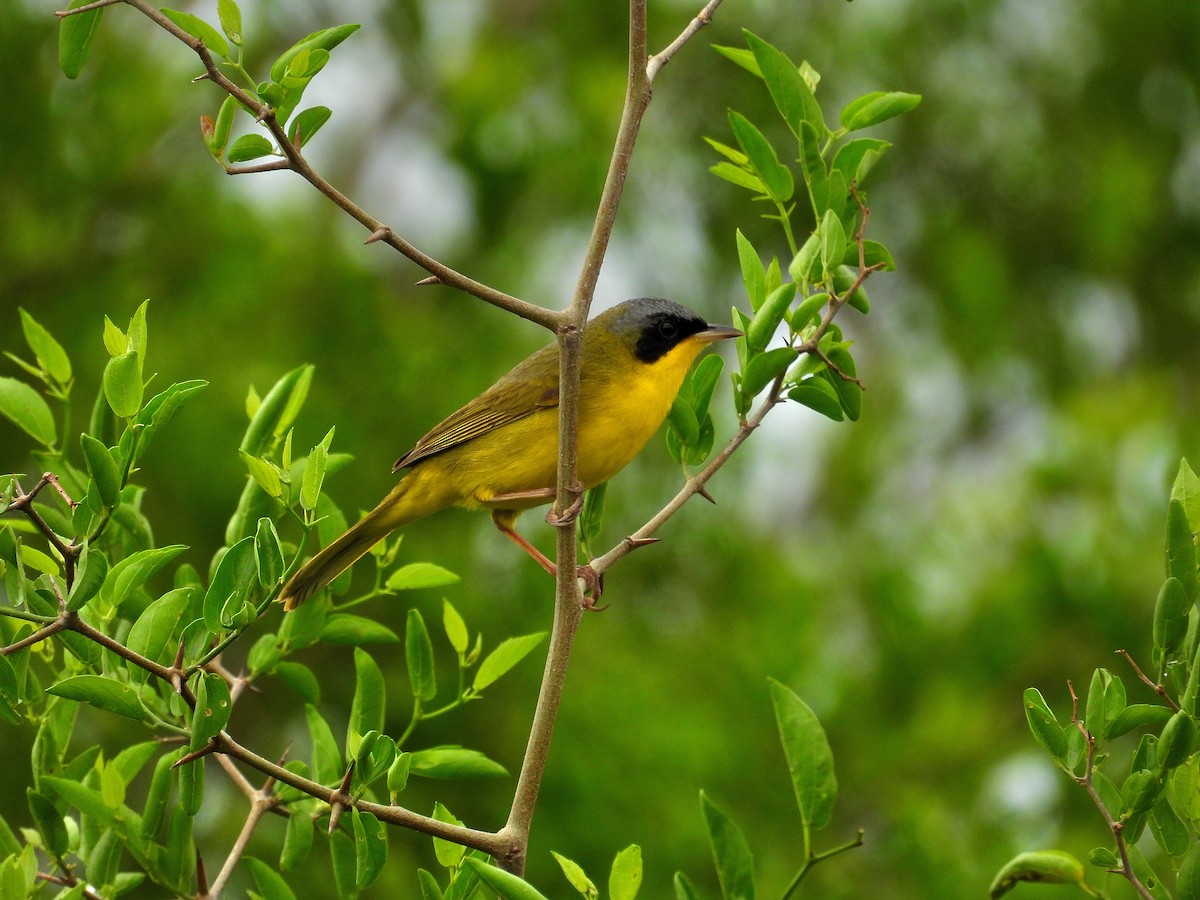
point(993, 521)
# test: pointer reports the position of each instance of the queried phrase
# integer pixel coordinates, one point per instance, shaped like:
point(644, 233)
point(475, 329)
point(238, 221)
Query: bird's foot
point(593, 588)
point(571, 513)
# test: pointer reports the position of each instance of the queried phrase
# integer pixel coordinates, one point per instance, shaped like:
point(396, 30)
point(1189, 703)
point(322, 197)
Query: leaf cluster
point(1157, 787)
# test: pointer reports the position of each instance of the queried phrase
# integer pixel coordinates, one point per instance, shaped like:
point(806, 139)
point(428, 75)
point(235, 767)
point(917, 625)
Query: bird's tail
point(401, 506)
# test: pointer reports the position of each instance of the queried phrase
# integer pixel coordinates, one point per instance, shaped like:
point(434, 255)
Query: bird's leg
point(593, 582)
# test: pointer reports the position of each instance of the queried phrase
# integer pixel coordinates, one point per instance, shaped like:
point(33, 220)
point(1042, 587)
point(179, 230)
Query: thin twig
point(37, 637)
point(1116, 826)
point(660, 59)
point(1154, 686)
point(87, 7)
point(260, 804)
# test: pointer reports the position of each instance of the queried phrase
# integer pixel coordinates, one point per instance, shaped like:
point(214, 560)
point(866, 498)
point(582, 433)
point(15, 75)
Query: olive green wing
point(530, 386)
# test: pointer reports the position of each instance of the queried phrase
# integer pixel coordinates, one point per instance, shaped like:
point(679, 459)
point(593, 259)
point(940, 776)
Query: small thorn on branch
point(703, 492)
point(339, 801)
point(210, 747)
point(379, 234)
point(427, 282)
point(201, 876)
point(203, 76)
point(634, 542)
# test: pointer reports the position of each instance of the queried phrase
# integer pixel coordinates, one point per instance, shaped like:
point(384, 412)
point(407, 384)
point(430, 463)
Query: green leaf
point(270, 883)
point(576, 876)
point(625, 879)
point(326, 758)
point(1043, 866)
point(874, 253)
point(506, 655)
point(1186, 490)
point(855, 159)
point(314, 472)
point(25, 408)
point(833, 241)
point(151, 633)
point(198, 28)
point(871, 109)
point(325, 39)
point(1104, 858)
point(268, 554)
point(429, 886)
point(793, 97)
point(735, 865)
point(123, 384)
point(420, 575)
point(90, 573)
point(455, 627)
point(49, 822)
point(683, 421)
point(769, 315)
point(234, 579)
point(75, 36)
point(344, 628)
point(849, 393)
point(1044, 725)
point(1187, 882)
point(115, 341)
point(49, 353)
point(684, 889)
point(809, 759)
point(103, 693)
point(230, 17)
point(753, 276)
point(371, 848)
point(1138, 715)
point(1181, 549)
point(744, 58)
point(277, 410)
point(248, 147)
point(307, 124)
point(818, 394)
point(1168, 829)
point(776, 176)
point(418, 652)
point(300, 679)
point(739, 176)
point(704, 381)
point(398, 772)
point(449, 854)
point(265, 474)
point(454, 763)
point(213, 706)
point(161, 408)
point(297, 841)
point(374, 754)
point(367, 710)
point(102, 468)
point(508, 886)
point(1171, 617)
point(764, 368)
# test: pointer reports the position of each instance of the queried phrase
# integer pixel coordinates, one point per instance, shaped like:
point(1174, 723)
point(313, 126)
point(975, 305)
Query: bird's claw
point(571, 513)
point(593, 588)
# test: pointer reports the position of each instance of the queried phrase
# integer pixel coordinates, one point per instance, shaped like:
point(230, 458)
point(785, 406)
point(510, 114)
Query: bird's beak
point(716, 333)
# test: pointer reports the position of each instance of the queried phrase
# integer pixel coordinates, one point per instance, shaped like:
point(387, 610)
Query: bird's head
point(652, 326)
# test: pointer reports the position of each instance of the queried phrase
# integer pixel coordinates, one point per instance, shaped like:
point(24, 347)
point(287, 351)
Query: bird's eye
point(668, 329)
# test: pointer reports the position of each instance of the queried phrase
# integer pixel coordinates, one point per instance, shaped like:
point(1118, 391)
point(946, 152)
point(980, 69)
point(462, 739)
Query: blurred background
point(994, 521)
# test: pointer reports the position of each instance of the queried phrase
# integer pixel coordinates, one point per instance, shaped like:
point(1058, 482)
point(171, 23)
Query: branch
point(1116, 826)
point(37, 637)
point(297, 163)
point(261, 802)
point(660, 59)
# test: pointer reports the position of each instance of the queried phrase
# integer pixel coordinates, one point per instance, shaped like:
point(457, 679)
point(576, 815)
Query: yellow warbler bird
point(500, 451)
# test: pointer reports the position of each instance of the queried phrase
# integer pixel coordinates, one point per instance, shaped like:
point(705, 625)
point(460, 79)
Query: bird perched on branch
point(500, 451)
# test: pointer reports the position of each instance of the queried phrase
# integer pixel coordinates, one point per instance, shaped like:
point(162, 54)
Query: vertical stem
point(567, 614)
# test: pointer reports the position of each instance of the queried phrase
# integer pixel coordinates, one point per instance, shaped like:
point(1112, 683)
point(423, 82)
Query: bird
point(500, 451)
